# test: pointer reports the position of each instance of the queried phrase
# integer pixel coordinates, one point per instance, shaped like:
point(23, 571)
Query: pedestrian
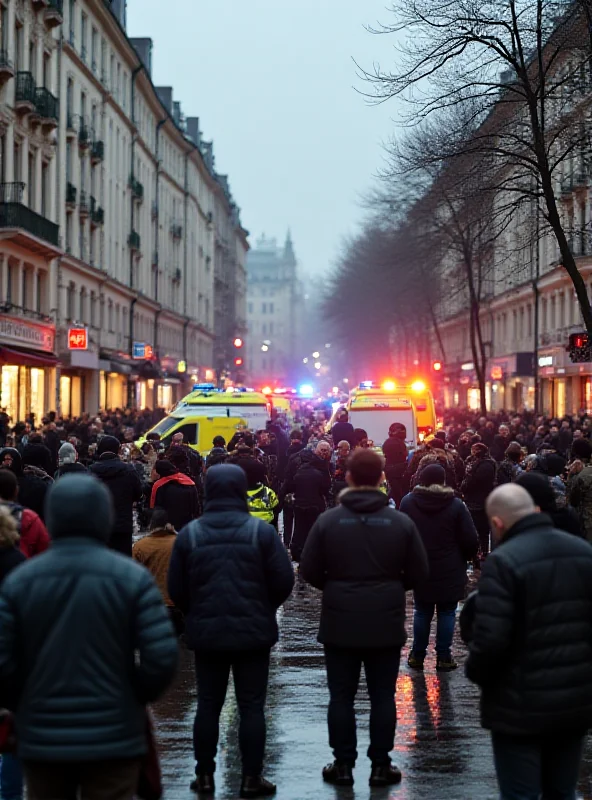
point(37, 454)
point(477, 485)
point(154, 552)
point(125, 487)
point(296, 447)
point(450, 540)
point(33, 535)
point(175, 492)
point(229, 574)
point(531, 648)
point(509, 469)
point(363, 555)
point(191, 464)
point(311, 486)
point(341, 458)
point(85, 644)
point(68, 461)
point(343, 430)
point(538, 487)
point(396, 454)
point(33, 482)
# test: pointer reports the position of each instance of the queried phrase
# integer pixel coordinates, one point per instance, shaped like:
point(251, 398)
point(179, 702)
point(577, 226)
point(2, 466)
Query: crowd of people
point(507, 497)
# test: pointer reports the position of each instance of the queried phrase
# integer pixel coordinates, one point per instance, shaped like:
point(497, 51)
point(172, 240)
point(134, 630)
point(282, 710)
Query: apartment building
point(109, 216)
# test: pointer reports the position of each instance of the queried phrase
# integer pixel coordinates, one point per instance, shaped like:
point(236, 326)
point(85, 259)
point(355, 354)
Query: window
point(264, 308)
point(93, 309)
point(94, 38)
point(103, 61)
point(70, 302)
point(83, 30)
point(72, 21)
point(110, 316)
point(39, 287)
point(250, 308)
point(24, 279)
point(271, 308)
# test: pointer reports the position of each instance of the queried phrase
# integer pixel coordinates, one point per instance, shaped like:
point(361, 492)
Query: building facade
point(274, 313)
point(110, 212)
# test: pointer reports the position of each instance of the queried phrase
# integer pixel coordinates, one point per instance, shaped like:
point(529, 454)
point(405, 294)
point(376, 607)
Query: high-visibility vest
point(262, 502)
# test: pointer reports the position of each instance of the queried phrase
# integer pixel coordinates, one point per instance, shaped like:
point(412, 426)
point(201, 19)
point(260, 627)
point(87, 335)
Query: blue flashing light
point(367, 385)
point(306, 390)
point(204, 387)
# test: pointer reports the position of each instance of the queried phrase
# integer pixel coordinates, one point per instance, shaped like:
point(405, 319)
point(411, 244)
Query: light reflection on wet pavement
point(440, 747)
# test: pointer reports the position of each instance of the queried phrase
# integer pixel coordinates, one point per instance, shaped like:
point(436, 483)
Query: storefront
point(27, 368)
point(114, 374)
point(510, 383)
point(79, 382)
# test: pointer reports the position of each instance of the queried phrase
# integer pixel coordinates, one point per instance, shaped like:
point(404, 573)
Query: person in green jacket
point(85, 645)
point(263, 503)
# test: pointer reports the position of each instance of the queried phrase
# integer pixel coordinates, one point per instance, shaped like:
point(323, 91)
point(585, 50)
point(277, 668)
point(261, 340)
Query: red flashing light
point(579, 340)
point(437, 366)
point(238, 343)
point(238, 362)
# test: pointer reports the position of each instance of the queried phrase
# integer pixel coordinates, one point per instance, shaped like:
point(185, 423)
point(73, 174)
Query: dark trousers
point(288, 524)
point(422, 621)
point(121, 543)
point(381, 666)
point(482, 524)
point(250, 670)
point(531, 767)
point(304, 519)
point(116, 779)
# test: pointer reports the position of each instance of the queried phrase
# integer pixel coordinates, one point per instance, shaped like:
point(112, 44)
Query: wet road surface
point(440, 747)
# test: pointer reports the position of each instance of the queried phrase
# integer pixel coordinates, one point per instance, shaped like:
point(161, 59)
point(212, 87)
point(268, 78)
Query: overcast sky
point(273, 84)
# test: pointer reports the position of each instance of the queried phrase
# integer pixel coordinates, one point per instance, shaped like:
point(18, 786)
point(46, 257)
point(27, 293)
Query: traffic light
point(437, 366)
point(579, 348)
point(238, 342)
point(238, 362)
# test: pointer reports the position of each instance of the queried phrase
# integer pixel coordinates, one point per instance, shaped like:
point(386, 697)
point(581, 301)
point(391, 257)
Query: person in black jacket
point(538, 487)
point(477, 485)
point(531, 651)
point(229, 574)
point(296, 446)
point(68, 461)
point(450, 539)
point(175, 492)
point(311, 486)
point(125, 486)
point(33, 481)
point(343, 430)
point(395, 455)
point(364, 555)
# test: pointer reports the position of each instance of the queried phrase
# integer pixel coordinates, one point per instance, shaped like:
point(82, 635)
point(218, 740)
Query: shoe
point(446, 664)
point(203, 784)
point(385, 775)
point(338, 774)
point(414, 661)
point(257, 787)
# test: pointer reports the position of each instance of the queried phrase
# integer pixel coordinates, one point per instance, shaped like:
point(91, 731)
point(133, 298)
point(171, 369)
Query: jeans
point(422, 620)
point(534, 767)
point(482, 524)
point(116, 779)
point(250, 669)
point(381, 666)
point(304, 519)
point(11, 778)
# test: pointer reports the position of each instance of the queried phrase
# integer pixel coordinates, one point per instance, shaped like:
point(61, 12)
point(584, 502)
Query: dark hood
point(65, 469)
point(17, 461)
point(226, 489)
point(68, 504)
point(363, 501)
point(36, 455)
point(433, 499)
point(311, 460)
point(109, 466)
point(295, 448)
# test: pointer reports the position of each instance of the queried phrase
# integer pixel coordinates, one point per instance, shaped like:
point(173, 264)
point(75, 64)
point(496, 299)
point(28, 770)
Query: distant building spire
point(289, 255)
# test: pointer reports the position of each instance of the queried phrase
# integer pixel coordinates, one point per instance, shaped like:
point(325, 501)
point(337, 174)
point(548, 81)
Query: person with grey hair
point(68, 461)
point(531, 648)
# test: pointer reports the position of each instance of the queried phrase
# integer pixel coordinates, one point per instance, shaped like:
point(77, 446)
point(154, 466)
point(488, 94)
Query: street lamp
point(317, 365)
point(264, 348)
point(316, 354)
point(305, 360)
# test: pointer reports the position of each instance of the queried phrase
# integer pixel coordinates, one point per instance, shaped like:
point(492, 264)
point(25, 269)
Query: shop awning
point(26, 358)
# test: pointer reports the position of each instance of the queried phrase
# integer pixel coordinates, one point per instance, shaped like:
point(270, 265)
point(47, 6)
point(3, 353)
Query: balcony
point(84, 135)
point(70, 196)
point(176, 231)
point(25, 97)
point(97, 153)
point(133, 241)
point(54, 13)
point(84, 205)
point(26, 222)
point(47, 108)
point(6, 67)
point(566, 188)
point(39, 3)
point(137, 189)
point(97, 217)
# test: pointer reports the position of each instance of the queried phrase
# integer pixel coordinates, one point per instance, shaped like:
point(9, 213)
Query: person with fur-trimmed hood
point(450, 539)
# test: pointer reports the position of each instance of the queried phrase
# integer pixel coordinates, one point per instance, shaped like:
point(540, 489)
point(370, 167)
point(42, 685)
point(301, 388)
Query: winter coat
point(449, 537)
point(154, 552)
point(68, 469)
point(343, 432)
point(364, 555)
point(263, 503)
point(532, 640)
point(177, 494)
point(499, 447)
point(580, 497)
point(229, 572)
point(507, 472)
point(34, 538)
point(478, 482)
point(436, 456)
point(126, 489)
point(71, 623)
point(53, 442)
point(38, 455)
point(394, 450)
point(10, 555)
point(311, 484)
point(34, 484)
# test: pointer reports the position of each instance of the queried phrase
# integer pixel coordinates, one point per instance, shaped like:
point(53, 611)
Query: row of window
point(26, 287)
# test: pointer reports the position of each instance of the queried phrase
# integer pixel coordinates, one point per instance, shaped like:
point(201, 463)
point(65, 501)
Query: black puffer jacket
point(478, 482)
point(532, 641)
point(343, 432)
point(229, 575)
point(311, 482)
point(69, 469)
point(449, 537)
point(364, 555)
point(126, 489)
point(180, 501)
point(33, 482)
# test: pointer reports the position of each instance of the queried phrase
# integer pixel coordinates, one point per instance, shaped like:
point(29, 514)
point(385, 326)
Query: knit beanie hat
point(164, 468)
point(581, 448)
point(108, 444)
point(433, 474)
point(67, 454)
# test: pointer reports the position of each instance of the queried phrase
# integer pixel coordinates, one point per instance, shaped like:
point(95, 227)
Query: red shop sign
point(77, 339)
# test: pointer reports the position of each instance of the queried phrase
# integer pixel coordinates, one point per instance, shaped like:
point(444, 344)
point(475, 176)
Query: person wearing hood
point(343, 430)
point(68, 461)
point(33, 535)
point(37, 454)
point(395, 455)
point(450, 539)
point(229, 574)
point(33, 481)
point(125, 487)
point(175, 492)
point(85, 645)
point(477, 485)
point(364, 555)
point(538, 487)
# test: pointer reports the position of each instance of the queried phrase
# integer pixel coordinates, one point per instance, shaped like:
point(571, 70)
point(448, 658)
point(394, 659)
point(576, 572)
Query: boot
point(384, 775)
point(257, 787)
point(446, 664)
point(203, 784)
point(338, 774)
point(415, 661)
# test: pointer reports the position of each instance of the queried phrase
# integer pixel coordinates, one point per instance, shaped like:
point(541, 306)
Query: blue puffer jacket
point(71, 621)
point(229, 572)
